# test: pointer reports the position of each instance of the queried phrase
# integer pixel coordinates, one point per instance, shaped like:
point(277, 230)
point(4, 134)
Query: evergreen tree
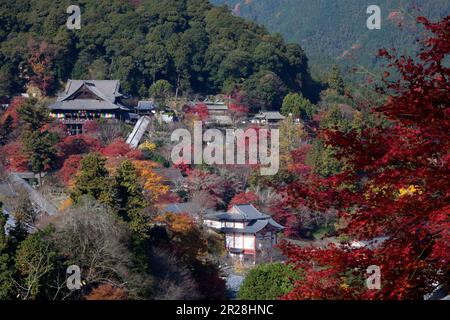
point(335, 119)
point(38, 142)
point(128, 198)
point(298, 106)
point(6, 80)
point(35, 261)
point(264, 91)
point(93, 179)
point(34, 114)
point(323, 159)
point(335, 80)
point(5, 129)
point(268, 282)
point(161, 90)
point(6, 265)
point(39, 145)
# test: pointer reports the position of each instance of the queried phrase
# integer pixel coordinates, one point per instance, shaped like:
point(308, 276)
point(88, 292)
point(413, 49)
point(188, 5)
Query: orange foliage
point(152, 183)
point(177, 223)
point(186, 239)
point(107, 292)
point(65, 204)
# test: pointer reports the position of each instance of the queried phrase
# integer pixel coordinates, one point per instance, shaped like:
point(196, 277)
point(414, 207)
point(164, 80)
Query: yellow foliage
point(152, 183)
point(376, 190)
point(410, 191)
point(344, 286)
point(147, 146)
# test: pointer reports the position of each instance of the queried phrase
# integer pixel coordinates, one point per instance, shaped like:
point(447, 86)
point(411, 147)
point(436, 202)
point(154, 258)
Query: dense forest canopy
point(197, 47)
point(335, 31)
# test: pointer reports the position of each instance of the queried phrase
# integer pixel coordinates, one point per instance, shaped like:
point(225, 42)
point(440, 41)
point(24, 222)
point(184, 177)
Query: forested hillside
point(195, 46)
point(335, 31)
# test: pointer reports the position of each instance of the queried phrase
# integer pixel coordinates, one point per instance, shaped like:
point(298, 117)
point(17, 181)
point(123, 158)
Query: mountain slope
point(195, 46)
point(335, 31)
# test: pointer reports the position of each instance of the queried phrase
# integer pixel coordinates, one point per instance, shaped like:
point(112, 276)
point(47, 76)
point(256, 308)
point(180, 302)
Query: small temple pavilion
point(247, 230)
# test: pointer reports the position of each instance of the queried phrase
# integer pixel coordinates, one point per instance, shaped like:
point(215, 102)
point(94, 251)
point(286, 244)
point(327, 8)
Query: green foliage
point(268, 282)
point(161, 90)
point(193, 45)
point(98, 70)
point(35, 260)
point(335, 80)
point(323, 159)
point(335, 119)
point(6, 80)
point(292, 136)
point(264, 90)
point(329, 30)
point(298, 106)
point(40, 149)
point(93, 179)
point(6, 265)
point(38, 142)
point(34, 114)
point(5, 129)
point(128, 198)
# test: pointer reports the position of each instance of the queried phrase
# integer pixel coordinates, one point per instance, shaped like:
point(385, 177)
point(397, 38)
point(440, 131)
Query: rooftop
point(254, 220)
point(105, 89)
point(145, 105)
point(89, 95)
point(171, 174)
point(270, 115)
point(185, 207)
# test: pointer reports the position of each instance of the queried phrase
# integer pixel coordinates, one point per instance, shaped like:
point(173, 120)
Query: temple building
point(247, 230)
point(268, 118)
point(85, 100)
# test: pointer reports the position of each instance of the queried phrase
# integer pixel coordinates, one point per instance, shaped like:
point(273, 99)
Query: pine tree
point(5, 129)
point(38, 142)
point(128, 198)
point(6, 270)
point(335, 80)
point(39, 146)
point(93, 179)
point(34, 114)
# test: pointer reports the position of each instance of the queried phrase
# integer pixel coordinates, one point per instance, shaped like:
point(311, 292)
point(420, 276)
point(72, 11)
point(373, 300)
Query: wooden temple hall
point(85, 100)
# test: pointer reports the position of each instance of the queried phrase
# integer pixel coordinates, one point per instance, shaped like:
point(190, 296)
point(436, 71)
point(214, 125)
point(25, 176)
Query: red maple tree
point(396, 187)
point(77, 144)
point(199, 110)
point(13, 158)
point(119, 148)
point(244, 198)
point(12, 112)
point(70, 168)
point(41, 61)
